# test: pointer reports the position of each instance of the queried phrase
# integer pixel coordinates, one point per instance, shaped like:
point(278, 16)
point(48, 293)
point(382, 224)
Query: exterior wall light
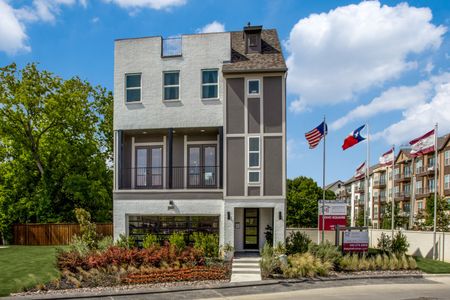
point(228, 215)
point(280, 215)
point(171, 205)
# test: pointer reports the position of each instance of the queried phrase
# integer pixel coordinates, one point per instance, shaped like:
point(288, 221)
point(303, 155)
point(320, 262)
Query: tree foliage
point(302, 201)
point(442, 217)
point(55, 143)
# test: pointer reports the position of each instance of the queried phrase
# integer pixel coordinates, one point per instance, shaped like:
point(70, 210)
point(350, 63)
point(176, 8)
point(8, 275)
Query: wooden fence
point(52, 234)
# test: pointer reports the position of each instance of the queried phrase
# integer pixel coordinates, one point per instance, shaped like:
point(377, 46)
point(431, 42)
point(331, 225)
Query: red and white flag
point(360, 171)
point(387, 158)
point(423, 145)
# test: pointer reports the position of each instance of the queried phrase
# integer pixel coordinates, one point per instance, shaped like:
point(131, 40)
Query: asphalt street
point(431, 288)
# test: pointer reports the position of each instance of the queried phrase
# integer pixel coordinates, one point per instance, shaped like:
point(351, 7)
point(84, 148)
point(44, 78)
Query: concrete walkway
point(246, 267)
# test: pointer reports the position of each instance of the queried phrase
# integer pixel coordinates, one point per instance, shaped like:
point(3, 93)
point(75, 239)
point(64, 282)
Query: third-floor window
point(171, 85)
point(133, 87)
point(210, 84)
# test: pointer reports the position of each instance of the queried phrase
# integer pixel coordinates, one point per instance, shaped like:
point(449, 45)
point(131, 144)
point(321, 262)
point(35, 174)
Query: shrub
point(279, 249)
point(400, 244)
point(379, 262)
point(326, 252)
point(384, 243)
point(269, 263)
point(268, 234)
point(207, 243)
point(87, 229)
point(305, 265)
point(412, 263)
point(150, 240)
point(297, 242)
point(125, 242)
point(79, 245)
point(105, 243)
point(176, 240)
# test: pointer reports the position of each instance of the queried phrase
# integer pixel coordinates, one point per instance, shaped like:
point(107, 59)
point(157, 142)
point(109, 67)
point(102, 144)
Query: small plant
point(227, 251)
point(384, 243)
point(176, 240)
point(207, 243)
point(306, 265)
point(125, 242)
point(279, 249)
point(79, 245)
point(150, 240)
point(326, 252)
point(268, 233)
point(400, 244)
point(297, 242)
point(105, 243)
point(269, 263)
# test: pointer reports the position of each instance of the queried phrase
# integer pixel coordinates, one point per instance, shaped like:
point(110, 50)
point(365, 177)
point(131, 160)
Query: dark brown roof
point(269, 60)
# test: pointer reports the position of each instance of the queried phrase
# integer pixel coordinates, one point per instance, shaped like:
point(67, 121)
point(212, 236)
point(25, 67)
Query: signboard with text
point(355, 241)
point(335, 214)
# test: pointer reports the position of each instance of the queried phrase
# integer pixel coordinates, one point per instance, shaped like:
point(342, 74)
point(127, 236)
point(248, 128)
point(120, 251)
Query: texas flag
point(353, 138)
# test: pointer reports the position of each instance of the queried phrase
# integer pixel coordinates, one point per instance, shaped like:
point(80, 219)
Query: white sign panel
point(333, 207)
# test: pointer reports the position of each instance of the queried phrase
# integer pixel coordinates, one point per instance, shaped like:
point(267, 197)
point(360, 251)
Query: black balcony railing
point(191, 177)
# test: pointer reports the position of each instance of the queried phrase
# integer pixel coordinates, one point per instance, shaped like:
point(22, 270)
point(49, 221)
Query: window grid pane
point(171, 93)
point(171, 78)
point(209, 91)
point(133, 81)
point(253, 176)
point(209, 76)
point(253, 87)
point(133, 95)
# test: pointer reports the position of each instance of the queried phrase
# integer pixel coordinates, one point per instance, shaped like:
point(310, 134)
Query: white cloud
point(14, 21)
point(420, 118)
point(298, 106)
point(215, 26)
point(333, 56)
point(12, 33)
point(95, 20)
point(153, 4)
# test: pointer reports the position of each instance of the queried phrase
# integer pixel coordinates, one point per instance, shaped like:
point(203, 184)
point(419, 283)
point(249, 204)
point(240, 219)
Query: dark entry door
point(251, 228)
point(149, 167)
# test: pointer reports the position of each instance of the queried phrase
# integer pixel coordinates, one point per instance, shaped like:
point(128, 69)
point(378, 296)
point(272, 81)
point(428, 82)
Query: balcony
point(402, 177)
point(421, 172)
point(402, 196)
point(379, 184)
point(423, 193)
point(360, 189)
point(164, 178)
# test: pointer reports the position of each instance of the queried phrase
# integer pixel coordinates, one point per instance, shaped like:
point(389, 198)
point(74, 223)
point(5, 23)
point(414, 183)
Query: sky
point(381, 63)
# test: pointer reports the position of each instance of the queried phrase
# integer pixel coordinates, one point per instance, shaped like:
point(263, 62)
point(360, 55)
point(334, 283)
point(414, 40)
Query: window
point(407, 189)
point(172, 85)
point(133, 87)
point(253, 176)
point(431, 163)
point(419, 187)
point(419, 205)
point(210, 84)
point(431, 184)
point(419, 166)
point(253, 152)
point(253, 87)
point(447, 157)
point(447, 182)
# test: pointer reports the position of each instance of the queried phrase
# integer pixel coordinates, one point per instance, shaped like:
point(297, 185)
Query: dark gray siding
point(273, 166)
point(177, 162)
point(126, 171)
point(253, 190)
point(148, 138)
point(273, 113)
point(235, 105)
point(254, 115)
point(235, 167)
point(201, 138)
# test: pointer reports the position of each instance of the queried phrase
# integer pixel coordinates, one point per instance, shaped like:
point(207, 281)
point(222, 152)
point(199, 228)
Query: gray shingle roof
point(269, 60)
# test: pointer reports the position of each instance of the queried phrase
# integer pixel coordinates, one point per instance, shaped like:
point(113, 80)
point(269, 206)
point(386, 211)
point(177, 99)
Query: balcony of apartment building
point(182, 159)
point(424, 192)
point(425, 171)
point(402, 196)
point(379, 183)
point(447, 185)
point(360, 187)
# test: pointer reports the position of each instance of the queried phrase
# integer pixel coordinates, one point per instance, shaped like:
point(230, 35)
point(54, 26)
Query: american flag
point(314, 136)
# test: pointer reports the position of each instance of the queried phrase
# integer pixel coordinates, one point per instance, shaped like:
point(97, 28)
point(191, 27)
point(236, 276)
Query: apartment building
point(413, 185)
point(200, 136)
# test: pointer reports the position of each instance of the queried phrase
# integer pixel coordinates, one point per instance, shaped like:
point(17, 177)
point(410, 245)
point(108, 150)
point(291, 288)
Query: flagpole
point(435, 189)
point(392, 194)
point(366, 189)
point(325, 129)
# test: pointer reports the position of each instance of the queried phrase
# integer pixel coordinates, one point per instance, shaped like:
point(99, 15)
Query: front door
point(202, 166)
point(149, 168)
point(251, 228)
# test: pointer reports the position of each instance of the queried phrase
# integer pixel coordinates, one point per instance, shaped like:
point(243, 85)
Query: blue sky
point(385, 63)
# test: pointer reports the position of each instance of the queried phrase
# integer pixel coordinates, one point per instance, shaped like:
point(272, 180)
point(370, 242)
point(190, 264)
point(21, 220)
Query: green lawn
point(433, 266)
point(25, 266)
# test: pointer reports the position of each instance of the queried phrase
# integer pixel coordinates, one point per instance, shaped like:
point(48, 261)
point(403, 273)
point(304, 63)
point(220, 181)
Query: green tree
point(302, 201)
point(399, 221)
point(442, 217)
point(56, 138)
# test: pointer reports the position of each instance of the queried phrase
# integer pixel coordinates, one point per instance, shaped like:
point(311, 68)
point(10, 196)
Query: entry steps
point(246, 267)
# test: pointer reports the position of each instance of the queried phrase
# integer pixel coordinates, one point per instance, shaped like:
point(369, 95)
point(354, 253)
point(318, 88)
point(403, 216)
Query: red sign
point(335, 212)
point(332, 221)
point(355, 241)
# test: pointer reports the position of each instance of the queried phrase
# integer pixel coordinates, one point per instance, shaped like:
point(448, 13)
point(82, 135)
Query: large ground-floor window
point(163, 226)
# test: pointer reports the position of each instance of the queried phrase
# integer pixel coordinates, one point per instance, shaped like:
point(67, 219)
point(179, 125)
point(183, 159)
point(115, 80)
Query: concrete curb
point(228, 285)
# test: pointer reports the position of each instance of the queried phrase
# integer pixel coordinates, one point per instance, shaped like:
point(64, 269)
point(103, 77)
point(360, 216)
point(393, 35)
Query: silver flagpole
point(435, 190)
point(325, 129)
point(392, 195)
point(366, 188)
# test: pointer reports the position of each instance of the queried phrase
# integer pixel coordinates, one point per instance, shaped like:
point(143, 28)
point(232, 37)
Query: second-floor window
point(447, 158)
point(253, 152)
point(210, 84)
point(133, 88)
point(171, 85)
point(447, 182)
